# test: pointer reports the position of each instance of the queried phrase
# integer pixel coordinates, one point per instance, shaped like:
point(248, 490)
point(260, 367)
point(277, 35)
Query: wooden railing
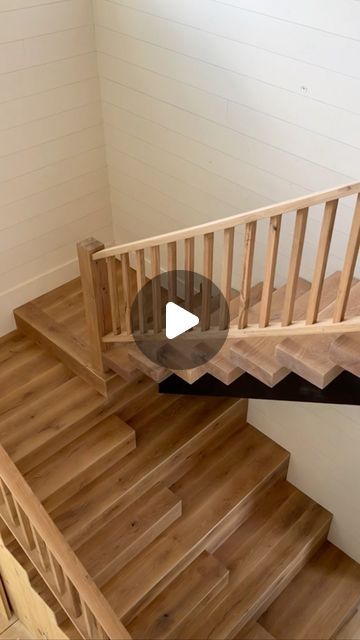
point(109, 292)
point(53, 558)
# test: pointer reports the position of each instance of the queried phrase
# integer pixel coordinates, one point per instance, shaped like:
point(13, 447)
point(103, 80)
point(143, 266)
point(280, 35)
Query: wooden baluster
point(156, 288)
point(140, 283)
point(321, 261)
point(57, 574)
point(25, 527)
point(8, 501)
point(95, 289)
point(125, 272)
point(101, 635)
point(71, 594)
point(207, 283)
point(245, 289)
point(41, 549)
point(294, 268)
point(172, 284)
point(270, 267)
point(114, 294)
point(226, 277)
point(189, 271)
point(347, 273)
point(89, 621)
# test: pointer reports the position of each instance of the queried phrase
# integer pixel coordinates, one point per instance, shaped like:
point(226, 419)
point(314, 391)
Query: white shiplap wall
point(53, 176)
point(214, 107)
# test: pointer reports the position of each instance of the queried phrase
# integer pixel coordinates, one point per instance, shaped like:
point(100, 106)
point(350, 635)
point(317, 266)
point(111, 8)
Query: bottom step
point(319, 601)
point(196, 586)
point(263, 556)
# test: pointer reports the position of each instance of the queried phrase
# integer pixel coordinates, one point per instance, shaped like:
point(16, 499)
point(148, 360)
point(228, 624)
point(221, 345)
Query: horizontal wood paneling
point(53, 176)
point(221, 106)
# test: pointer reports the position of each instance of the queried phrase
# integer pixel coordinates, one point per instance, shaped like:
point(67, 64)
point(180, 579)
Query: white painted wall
point(214, 107)
point(53, 177)
point(324, 441)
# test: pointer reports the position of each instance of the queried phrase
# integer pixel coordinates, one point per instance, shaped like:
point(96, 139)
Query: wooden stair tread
point(319, 600)
point(83, 458)
point(309, 356)
point(263, 555)
point(257, 355)
point(166, 435)
point(345, 352)
point(121, 539)
point(196, 585)
point(214, 494)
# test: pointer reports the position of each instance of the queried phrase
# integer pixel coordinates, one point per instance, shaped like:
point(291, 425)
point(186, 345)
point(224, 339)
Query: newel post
point(95, 288)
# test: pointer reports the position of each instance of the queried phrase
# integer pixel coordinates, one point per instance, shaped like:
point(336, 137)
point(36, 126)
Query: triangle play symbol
point(178, 320)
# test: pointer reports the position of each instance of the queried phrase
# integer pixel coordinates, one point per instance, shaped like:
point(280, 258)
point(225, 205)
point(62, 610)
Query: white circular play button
point(165, 341)
point(178, 320)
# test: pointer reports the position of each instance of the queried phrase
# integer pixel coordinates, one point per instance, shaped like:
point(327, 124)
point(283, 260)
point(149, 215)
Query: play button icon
point(178, 320)
point(163, 314)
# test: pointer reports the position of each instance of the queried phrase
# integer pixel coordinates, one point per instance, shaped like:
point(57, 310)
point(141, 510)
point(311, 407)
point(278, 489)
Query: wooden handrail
point(232, 221)
point(199, 242)
point(53, 558)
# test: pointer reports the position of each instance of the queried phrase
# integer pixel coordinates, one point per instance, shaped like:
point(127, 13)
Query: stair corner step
point(193, 588)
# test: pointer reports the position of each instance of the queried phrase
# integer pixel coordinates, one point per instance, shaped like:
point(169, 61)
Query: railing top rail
point(232, 221)
point(60, 549)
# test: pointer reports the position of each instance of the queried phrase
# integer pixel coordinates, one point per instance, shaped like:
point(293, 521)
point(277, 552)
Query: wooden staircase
point(309, 328)
point(177, 509)
point(131, 514)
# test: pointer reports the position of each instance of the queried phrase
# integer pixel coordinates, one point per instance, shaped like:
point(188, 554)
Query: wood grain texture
point(196, 586)
point(319, 600)
point(263, 556)
point(257, 356)
point(344, 351)
point(310, 357)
